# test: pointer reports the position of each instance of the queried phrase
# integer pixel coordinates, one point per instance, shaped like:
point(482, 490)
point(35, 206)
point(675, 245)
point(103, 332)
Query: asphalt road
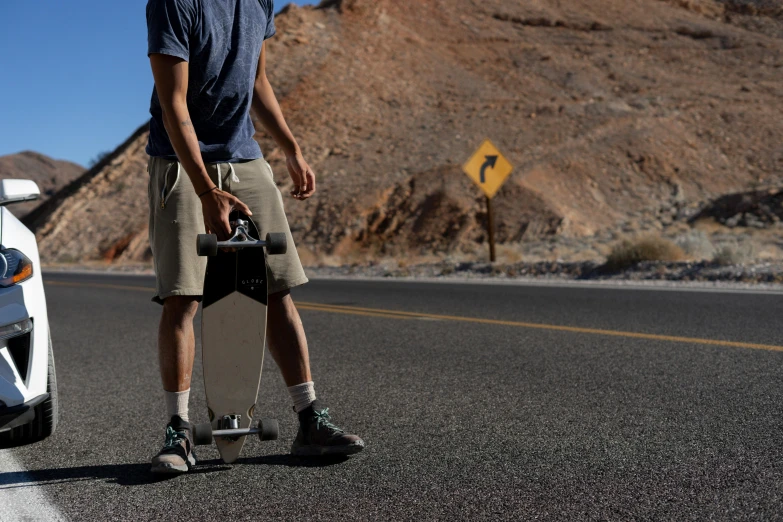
point(476, 402)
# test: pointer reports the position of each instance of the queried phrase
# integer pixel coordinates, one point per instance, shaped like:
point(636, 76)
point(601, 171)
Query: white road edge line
point(23, 500)
point(654, 286)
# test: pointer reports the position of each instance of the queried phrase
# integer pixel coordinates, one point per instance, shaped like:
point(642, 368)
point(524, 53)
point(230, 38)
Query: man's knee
point(280, 297)
point(281, 303)
point(180, 308)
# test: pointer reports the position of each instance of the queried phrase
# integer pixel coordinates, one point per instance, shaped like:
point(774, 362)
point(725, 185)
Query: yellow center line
point(101, 285)
point(384, 314)
point(401, 314)
point(541, 326)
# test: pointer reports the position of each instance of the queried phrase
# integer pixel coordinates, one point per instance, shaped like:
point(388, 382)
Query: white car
point(28, 387)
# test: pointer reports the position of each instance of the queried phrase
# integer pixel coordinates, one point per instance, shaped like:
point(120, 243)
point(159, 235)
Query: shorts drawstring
point(231, 171)
point(164, 198)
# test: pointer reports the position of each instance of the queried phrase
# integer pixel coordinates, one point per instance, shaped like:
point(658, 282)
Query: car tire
point(46, 414)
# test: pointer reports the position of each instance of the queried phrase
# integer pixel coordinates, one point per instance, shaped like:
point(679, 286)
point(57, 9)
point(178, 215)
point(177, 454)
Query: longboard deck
point(233, 331)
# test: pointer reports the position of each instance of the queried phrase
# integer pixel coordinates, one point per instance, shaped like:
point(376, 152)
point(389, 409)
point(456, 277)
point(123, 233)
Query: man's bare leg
point(288, 346)
point(176, 351)
point(177, 342)
point(286, 338)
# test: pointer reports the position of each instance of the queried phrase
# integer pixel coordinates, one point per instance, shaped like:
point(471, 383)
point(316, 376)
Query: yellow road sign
point(488, 168)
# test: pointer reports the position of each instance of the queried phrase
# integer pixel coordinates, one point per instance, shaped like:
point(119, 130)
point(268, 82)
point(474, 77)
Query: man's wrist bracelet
point(207, 192)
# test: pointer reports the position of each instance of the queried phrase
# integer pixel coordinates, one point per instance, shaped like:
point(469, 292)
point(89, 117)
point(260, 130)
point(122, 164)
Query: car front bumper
point(13, 416)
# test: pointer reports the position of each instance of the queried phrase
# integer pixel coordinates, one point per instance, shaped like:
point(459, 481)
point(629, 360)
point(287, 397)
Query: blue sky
point(74, 75)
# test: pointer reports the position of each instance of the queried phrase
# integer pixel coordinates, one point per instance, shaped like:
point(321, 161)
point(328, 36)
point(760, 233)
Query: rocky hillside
point(612, 111)
point(50, 175)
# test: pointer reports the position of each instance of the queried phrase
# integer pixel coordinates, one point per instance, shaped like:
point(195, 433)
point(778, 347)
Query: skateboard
point(233, 332)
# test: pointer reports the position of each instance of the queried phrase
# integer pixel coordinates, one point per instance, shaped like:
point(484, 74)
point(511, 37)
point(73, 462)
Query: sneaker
point(177, 454)
point(318, 436)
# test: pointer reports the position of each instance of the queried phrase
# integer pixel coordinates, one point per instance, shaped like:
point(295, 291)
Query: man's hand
point(216, 206)
point(302, 176)
point(268, 111)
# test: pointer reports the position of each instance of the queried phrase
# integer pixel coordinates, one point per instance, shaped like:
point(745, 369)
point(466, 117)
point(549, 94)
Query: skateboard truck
point(208, 244)
point(229, 422)
point(228, 427)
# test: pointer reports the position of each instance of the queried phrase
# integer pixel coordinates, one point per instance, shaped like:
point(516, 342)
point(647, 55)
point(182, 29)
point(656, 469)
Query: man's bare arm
point(268, 111)
point(171, 83)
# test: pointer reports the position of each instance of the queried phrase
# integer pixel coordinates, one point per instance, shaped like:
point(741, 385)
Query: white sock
point(303, 395)
point(177, 404)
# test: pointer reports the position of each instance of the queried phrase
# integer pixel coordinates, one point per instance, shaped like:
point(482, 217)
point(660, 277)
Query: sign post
point(491, 224)
point(489, 169)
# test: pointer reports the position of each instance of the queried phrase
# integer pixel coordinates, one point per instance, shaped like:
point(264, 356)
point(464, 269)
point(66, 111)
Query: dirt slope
point(50, 175)
point(611, 111)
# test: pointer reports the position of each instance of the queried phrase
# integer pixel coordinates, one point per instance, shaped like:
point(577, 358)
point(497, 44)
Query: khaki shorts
point(176, 220)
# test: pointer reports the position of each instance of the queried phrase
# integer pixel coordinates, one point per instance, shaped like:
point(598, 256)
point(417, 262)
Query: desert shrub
point(98, 158)
point(510, 253)
point(734, 253)
point(703, 7)
point(629, 252)
point(696, 245)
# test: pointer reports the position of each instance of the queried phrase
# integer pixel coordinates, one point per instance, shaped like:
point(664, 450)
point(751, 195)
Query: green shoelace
point(322, 419)
point(173, 437)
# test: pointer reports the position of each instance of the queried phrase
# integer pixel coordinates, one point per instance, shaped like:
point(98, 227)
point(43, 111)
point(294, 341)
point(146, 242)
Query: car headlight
point(15, 267)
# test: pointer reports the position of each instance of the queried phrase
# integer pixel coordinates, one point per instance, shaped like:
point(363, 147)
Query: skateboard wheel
point(206, 245)
point(269, 430)
point(202, 434)
point(276, 243)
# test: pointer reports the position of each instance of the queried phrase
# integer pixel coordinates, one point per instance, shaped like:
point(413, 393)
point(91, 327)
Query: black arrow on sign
point(489, 164)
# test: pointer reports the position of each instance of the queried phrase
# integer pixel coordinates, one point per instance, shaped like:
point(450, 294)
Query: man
point(208, 60)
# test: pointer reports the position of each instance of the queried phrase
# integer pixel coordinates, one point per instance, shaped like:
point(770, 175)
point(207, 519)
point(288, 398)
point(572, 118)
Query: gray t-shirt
point(221, 41)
